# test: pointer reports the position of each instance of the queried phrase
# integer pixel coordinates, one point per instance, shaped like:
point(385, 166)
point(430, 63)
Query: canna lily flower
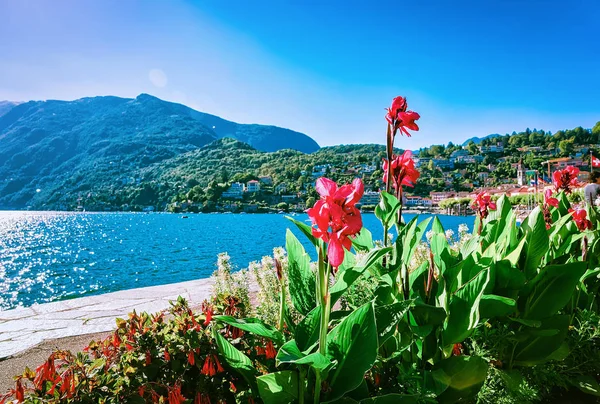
point(581, 220)
point(566, 179)
point(335, 216)
point(549, 200)
point(403, 170)
point(483, 203)
point(399, 118)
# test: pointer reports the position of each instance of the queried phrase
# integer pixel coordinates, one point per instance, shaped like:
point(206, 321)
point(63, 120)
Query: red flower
point(457, 349)
point(141, 391)
point(212, 366)
point(581, 220)
point(191, 359)
point(167, 355)
point(19, 392)
point(175, 396)
point(201, 398)
point(46, 372)
point(549, 199)
point(148, 358)
point(270, 351)
point(403, 170)
point(566, 179)
point(336, 210)
point(208, 312)
point(482, 203)
point(399, 118)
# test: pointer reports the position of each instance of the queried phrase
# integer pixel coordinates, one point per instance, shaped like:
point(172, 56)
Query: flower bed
point(508, 313)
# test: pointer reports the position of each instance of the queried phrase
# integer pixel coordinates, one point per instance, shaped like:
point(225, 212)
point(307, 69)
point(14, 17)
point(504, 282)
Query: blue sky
point(325, 68)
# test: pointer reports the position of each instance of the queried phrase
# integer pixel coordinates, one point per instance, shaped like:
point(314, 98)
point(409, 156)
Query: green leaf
point(301, 278)
point(414, 235)
point(492, 306)
point(353, 344)
point(587, 384)
point(426, 317)
point(537, 243)
point(236, 360)
point(306, 230)
point(307, 330)
point(387, 208)
point(393, 398)
point(551, 290)
point(388, 316)
point(363, 240)
point(464, 376)
point(254, 326)
point(463, 310)
point(346, 278)
point(535, 347)
point(279, 387)
point(290, 353)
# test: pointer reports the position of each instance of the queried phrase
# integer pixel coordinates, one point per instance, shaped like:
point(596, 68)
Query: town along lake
point(48, 256)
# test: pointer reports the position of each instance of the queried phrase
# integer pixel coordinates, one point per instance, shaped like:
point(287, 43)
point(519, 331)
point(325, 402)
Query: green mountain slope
point(6, 106)
point(53, 150)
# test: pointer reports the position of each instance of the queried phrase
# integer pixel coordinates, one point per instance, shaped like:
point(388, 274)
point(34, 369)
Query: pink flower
point(335, 216)
point(399, 118)
point(549, 199)
point(581, 220)
point(566, 179)
point(482, 204)
point(403, 170)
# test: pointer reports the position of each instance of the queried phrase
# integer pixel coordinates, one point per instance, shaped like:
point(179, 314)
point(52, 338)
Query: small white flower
point(463, 228)
point(429, 235)
point(449, 233)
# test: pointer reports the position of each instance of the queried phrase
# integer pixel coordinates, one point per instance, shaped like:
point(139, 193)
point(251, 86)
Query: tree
point(566, 146)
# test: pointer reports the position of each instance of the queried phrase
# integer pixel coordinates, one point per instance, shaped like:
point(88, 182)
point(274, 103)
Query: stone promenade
point(24, 328)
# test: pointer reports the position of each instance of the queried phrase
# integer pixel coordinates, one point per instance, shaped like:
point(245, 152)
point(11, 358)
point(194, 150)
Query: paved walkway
point(24, 328)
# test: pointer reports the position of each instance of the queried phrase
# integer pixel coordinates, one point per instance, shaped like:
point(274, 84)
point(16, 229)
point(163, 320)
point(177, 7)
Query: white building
point(235, 191)
point(253, 186)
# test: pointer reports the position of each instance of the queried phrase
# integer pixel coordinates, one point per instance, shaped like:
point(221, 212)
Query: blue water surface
point(48, 256)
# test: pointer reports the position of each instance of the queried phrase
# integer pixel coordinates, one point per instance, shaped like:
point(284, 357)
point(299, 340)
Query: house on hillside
point(235, 191)
point(253, 186)
point(437, 197)
point(370, 198)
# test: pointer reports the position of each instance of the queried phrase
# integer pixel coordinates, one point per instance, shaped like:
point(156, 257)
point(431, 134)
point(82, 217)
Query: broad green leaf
point(301, 279)
point(346, 278)
point(388, 316)
point(551, 290)
point(387, 208)
point(279, 387)
point(393, 398)
point(538, 348)
point(353, 344)
point(587, 384)
point(463, 310)
point(464, 376)
point(413, 237)
point(307, 330)
point(537, 243)
point(492, 306)
point(363, 240)
point(306, 230)
point(425, 317)
point(290, 353)
point(236, 359)
point(254, 326)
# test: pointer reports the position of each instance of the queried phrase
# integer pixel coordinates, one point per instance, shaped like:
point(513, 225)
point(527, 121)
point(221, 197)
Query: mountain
point(6, 106)
point(53, 147)
point(261, 137)
point(478, 140)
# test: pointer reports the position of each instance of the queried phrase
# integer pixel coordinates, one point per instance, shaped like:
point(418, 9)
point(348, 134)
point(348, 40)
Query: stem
point(318, 387)
point(301, 379)
point(281, 305)
point(388, 182)
point(399, 197)
point(325, 304)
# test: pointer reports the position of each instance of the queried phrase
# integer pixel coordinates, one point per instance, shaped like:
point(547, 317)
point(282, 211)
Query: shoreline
point(24, 328)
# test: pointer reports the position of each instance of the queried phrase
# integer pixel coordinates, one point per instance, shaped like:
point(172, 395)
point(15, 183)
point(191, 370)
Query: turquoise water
point(47, 256)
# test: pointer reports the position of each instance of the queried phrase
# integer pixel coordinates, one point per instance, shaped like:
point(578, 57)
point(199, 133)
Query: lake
point(48, 256)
